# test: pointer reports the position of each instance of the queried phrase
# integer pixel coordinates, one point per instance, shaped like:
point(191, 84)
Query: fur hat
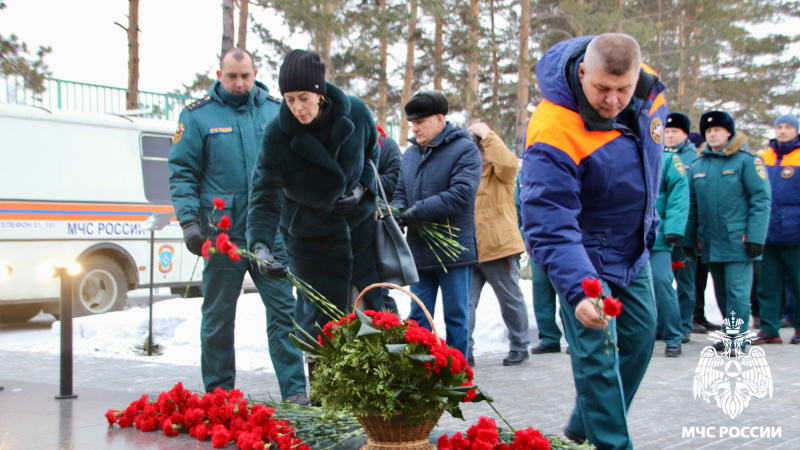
point(787, 119)
point(712, 119)
point(426, 103)
point(680, 121)
point(302, 71)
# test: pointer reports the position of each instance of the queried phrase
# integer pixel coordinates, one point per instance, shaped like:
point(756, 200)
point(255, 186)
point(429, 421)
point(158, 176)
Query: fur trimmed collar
point(739, 142)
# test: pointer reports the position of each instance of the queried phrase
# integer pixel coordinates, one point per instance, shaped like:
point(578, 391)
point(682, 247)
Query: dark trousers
point(331, 264)
point(700, 284)
point(606, 383)
point(733, 282)
point(222, 285)
point(778, 262)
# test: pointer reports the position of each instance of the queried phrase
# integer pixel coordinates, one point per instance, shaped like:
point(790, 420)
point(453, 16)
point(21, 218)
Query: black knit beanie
point(302, 71)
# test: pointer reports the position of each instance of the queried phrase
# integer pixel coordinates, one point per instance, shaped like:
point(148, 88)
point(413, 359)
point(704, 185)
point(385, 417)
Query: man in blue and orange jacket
point(591, 175)
point(782, 247)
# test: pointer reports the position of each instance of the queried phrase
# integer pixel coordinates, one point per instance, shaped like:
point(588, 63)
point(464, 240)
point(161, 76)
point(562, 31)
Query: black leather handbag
point(393, 258)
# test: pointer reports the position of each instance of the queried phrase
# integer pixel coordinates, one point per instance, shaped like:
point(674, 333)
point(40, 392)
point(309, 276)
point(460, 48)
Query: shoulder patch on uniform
point(762, 172)
point(203, 101)
point(178, 133)
point(657, 130)
point(274, 99)
point(676, 161)
point(757, 160)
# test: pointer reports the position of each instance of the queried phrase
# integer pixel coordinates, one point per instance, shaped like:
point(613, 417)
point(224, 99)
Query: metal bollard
point(66, 335)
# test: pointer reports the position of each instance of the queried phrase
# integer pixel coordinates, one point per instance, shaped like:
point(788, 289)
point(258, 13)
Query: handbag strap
point(380, 187)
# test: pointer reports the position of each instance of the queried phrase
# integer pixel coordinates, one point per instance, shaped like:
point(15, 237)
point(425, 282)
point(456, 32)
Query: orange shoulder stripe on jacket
point(792, 159)
point(769, 157)
point(649, 69)
point(563, 129)
point(657, 103)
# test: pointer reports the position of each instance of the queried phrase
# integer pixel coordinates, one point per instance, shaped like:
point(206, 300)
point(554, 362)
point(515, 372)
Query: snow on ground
point(176, 330)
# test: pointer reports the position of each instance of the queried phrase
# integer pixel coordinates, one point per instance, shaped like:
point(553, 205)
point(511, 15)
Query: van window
point(155, 150)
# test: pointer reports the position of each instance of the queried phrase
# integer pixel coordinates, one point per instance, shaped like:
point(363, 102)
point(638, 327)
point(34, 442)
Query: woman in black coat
point(313, 183)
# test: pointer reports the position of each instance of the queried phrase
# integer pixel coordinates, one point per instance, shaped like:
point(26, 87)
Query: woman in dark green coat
point(313, 181)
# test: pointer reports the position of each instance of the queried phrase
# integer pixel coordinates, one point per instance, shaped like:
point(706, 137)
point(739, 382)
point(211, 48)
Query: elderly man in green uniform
point(672, 206)
point(729, 214)
point(677, 142)
point(212, 156)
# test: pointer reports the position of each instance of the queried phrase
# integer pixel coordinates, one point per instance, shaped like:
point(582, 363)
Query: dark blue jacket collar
point(784, 148)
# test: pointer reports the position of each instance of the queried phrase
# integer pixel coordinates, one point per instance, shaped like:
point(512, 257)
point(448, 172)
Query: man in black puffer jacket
point(439, 177)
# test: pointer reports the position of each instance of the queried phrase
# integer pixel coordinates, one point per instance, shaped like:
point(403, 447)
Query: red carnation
point(677, 265)
point(224, 222)
point(206, 245)
point(219, 203)
point(223, 243)
point(591, 286)
point(611, 307)
point(233, 252)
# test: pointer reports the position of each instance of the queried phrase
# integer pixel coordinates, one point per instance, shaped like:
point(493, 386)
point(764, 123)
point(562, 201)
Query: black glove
point(690, 252)
point(347, 202)
point(753, 250)
point(409, 218)
point(672, 239)
point(193, 236)
point(273, 269)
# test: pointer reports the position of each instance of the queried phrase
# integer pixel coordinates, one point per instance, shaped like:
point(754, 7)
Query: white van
point(78, 187)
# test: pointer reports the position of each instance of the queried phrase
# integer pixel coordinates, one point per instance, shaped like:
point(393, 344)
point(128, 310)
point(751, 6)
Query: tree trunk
point(409, 75)
point(524, 75)
point(243, 19)
point(437, 53)
point(227, 25)
point(495, 70)
point(383, 79)
point(682, 52)
point(324, 36)
point(472, 67)
point(132, 96)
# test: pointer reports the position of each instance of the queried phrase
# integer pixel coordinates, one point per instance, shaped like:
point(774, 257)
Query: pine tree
point(15, 59)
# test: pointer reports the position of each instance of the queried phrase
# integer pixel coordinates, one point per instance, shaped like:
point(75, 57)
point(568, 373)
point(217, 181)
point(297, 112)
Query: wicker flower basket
point(395, 433)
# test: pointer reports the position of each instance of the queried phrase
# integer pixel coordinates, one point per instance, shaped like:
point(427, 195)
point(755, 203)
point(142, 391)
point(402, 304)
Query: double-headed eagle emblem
point(733, 377)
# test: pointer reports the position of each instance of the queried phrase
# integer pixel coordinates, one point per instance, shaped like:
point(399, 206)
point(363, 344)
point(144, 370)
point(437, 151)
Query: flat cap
point(426, 103)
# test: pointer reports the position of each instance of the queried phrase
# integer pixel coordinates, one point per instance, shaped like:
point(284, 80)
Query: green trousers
point(222, 285)
point(669, 315)
point(777, 261)
point(544, 307)
point(606, 384)
point(732, 284)
point(685, 277)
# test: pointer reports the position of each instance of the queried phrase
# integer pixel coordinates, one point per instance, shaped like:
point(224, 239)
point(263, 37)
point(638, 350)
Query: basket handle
point(400, 288)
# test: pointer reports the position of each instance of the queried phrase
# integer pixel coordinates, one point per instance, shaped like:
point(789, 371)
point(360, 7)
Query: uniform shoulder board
point(203, 101)
point(274, 99)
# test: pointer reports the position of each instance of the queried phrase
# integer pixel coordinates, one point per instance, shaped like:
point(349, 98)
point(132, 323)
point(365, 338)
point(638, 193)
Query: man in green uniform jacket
point(673, 209)
point(677, 142)
point(212, 156)
point(729, 215)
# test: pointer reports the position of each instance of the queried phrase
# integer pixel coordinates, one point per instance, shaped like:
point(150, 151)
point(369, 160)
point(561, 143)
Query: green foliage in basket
point(375, 363)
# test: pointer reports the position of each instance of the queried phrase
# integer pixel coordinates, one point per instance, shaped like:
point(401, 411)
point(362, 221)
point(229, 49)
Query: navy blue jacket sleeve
point(550, 207)
point(464, 181)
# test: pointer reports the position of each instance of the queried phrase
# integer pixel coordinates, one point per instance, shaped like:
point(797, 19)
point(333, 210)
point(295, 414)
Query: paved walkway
point(538, 393)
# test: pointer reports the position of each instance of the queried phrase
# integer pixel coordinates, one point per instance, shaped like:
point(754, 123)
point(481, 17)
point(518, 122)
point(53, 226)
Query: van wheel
point(19, 313)
point(99, 288)
point(194, 291)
